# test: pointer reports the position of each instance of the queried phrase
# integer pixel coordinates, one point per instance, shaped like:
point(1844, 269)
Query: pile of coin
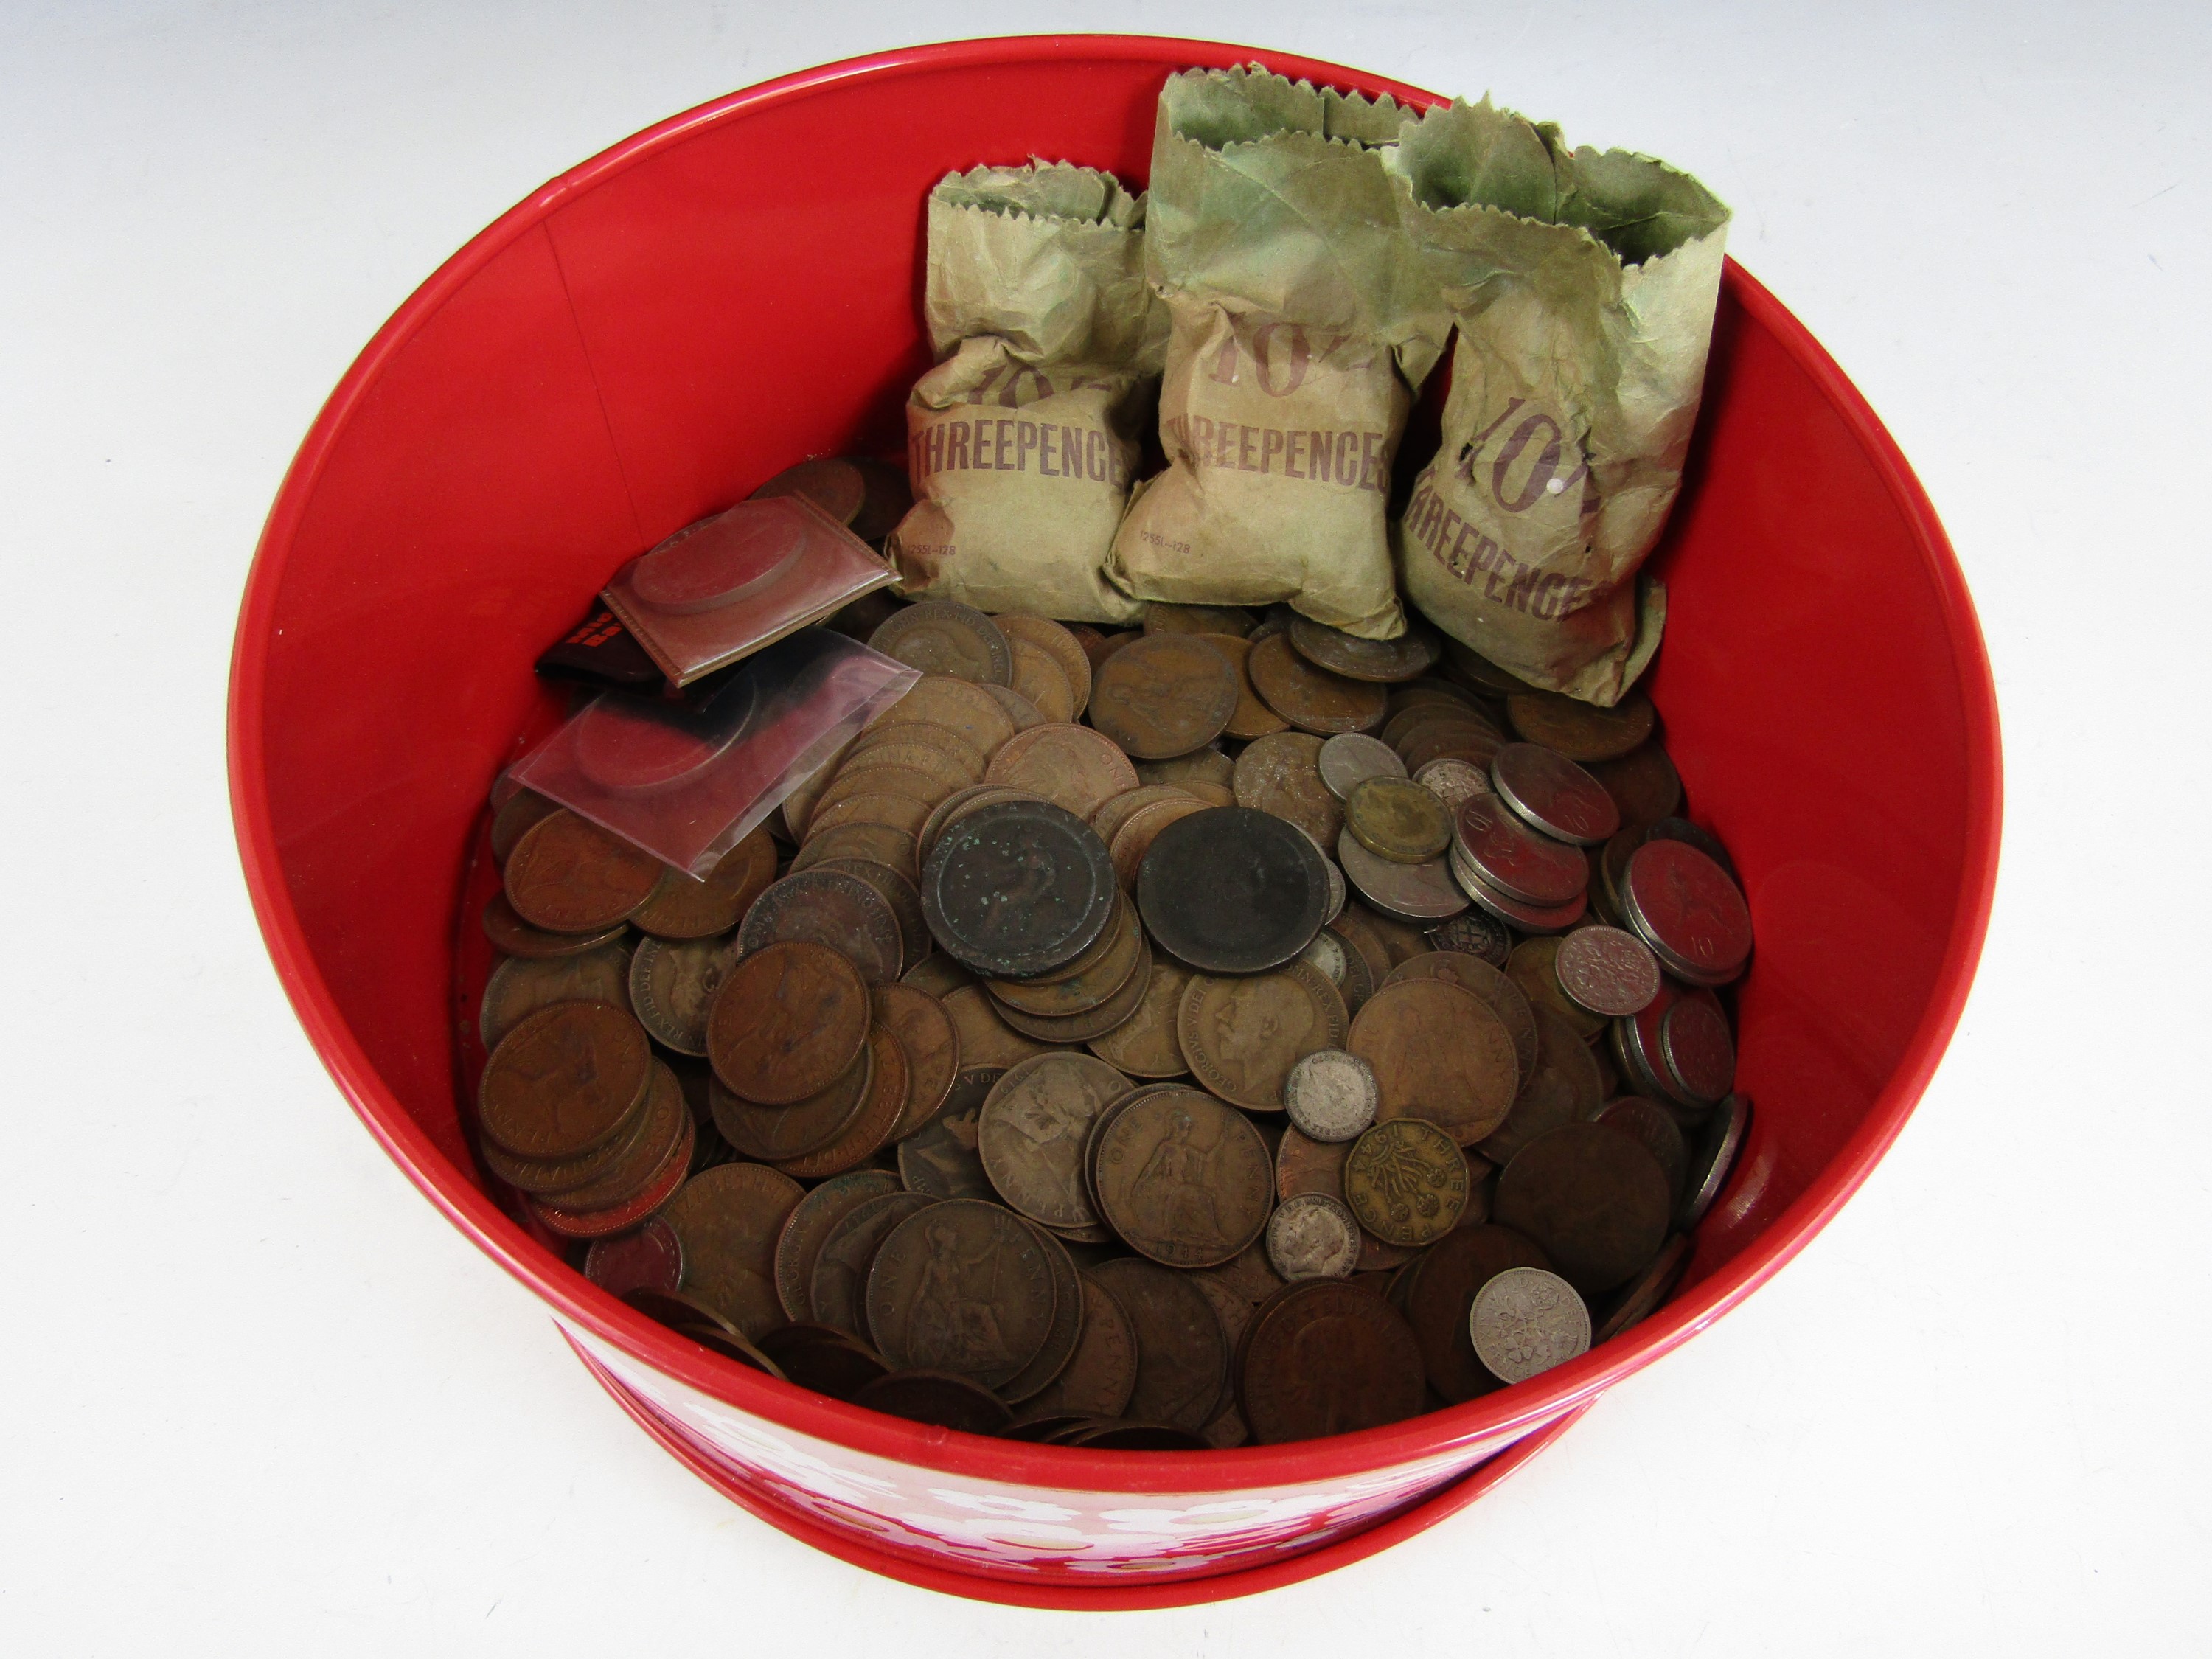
point(1226, 1030)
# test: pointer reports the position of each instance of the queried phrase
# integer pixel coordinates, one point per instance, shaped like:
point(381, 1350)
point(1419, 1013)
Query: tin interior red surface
point(649, 336)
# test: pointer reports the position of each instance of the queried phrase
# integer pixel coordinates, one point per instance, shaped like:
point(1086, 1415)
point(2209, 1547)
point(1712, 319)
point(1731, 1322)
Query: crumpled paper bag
point(1304, 323)
point(1021, 441)
point(1583, 286)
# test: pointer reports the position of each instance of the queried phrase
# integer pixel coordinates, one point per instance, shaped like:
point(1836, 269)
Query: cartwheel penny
point(1165, 695)
point(519, 988)
point(1071, 766)
point(1582, 732)
point(1064, 648)
point(566, 1081)
point(875, 843)
point(1408, 657)
point(1326, 1358)
point(1253, 718)
point(932, 1047)
point(1060, 1342)
point(811, 1220)
point(1018, 889)
point(776, 1134)
point(941, 1159)
point(672, 984)
point(1495, 989)
point(943, 636)
point(985, 1037)
point(831, 910)
point(1182, 1353)
point(1032, 1129)
point(1039, 679)
point(1520, 861)
point(963, 1286)
point(837, 1288)
point(682, 908)
point(790, 1020)
point(568, 876)
point(1398, 819)
point(1183, 1179)
point(1101, 1374)
point(1534, 967)
point(1439, 1296)
point(870, 1127)
point(522, 809)
point(942, 1400)
point(1243, 1035)
point(1593, 1200)
point(1438, 1054)
point(727, 1220)
point(1228, 890)
point(1424, 891)
point(1406, 1181)
point(1313, 699)
point(957, 706)
point(900, 895)
point(1070, 1029)
point(1526, 1320)
point(1146, 1044)
point(511, 936)
point(1231, 619)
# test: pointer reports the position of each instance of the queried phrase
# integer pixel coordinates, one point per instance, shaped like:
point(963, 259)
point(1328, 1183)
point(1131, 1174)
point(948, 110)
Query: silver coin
point(1607, 971)
point(1313, 1235)
point(1709, 1170)
point(1349, 759)
point(1528, 918)
point(1411, 892)
point(1525, 1320)
point(672, 984)
point(1516, 859)
point(1328, 953)
point(1684, 906)
point(1452, 780)
point(1332, 1095)
point(1697, 1051)
point(1554, 793)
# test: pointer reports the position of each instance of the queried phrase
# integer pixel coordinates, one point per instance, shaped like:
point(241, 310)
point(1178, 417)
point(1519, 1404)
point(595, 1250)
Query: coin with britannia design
point(1526, 1320)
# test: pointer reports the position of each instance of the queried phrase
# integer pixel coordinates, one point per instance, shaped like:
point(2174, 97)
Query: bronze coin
point(510, 935)
point(1642, 1296)
point(941, 1399)
point(660, 1186)
point(942, 636)
point(1183, 1179)
point(833, 485)
point(880, 777)
point(522, 810)
point(643, 1155)
point(1326, 1358)
point(1653, 1127)
point(1060, 1344)
point(519, 988)
point(1581, 730)
point(837, 1288)
point(1406, 1181)
point(1146, 1044)
point(565, 1081)
point(1533, 966)
point(964, 1288)
point(1165, 695)
point(877, 843)
point(1229, 890)
point(1117, 1010)
point(554, 1178)
point(1182, 1353)
point(1253, 718)
point(938, 975)
point(941, 1160)
point(899, 895)
point(957, 706)
point(1305, 1166)
point(1409, 656)
point(899, 812)
point(1135, 837)
point(1101, 1374)
point(1564, 1088)
point(1592, 1199)
point(811, 1222)
point(870, 1127)
point(727, 1220)
point(1357, 927)
point(985, 1039)
point(1241, 1036)
point(1398, 819)
point(1114, 811)
point(790, 1020)
point(1441, 1291)
point(1019, 709)
point(901, 737)
point(1497, 991)
point(932, 1047)
point(682, 908)
point(1406, 724)
point(1019, 888)
point(1064, 648)
point(672, 984)
point(1201, 766)
point(650, 1259)
point(1438, 1054)
point(568, 876)
point(827, 1361)
point(1313, 699)
point(831, 910)
point(1643, 784)
point(1031, 1131)
point(1233, 620)
point(967, 802)
point(1071, 766)
point(775, 1134)
point(1040, 682)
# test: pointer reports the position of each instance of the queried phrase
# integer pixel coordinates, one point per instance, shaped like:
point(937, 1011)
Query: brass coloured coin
point(1406, 1182)
point(1396, 818)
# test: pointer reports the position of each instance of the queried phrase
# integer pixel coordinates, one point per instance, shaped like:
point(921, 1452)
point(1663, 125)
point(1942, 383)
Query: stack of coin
point(1114, 1057)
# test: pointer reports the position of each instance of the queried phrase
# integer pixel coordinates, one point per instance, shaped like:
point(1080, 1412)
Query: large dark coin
point(938, 1398)
point(1322, 1357)
point(1229, 890)
point(1590, 1198)
point(1018, 889)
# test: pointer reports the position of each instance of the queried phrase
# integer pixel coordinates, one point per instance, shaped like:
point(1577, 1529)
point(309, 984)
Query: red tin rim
point(1526, 1406)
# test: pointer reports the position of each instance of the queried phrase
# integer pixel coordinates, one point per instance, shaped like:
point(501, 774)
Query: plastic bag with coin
point(1302, 326)
point(1583, 286)
point(1021, 441)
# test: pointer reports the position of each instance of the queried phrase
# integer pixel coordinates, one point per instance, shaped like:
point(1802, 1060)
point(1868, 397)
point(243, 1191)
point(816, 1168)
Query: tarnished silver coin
point(1696, 1050)
point(1521, 862)
point(672, 984)
point(1420, 892)
point(1331, 1095)
point(1474, 933)
point(1527, 918)
point(1453, 781)
point(1525, 1320)
point(1350, 758)
point(1313, 1235)
point(1715, 1156)
point(1687, 910)
point(1607, 971)
point(1554, 793)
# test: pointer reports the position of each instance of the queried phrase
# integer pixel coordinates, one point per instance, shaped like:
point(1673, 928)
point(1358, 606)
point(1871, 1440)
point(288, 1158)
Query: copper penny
point(790, 1020)
point(1111, 814)
point(880, 777)
point(985, 1037)
point(939, 1399)
point(1325, 1358)
point(1117, 1010)
point(811, 1222)
point(659, 1185)
point(1409, 656)
point(1495, 990)
point(1019, 709)
point(903, 736)
point(1595, 1201)
point(830, 908)
point(644, 1154)
point(1643, 1295)
point(1066, 649)
point(932, 1047)
point(1564, 1088)
point(1060, 1342)
point(1607, 971)
point(1438, 1054)
point(775, 1134)
point(1231, 619)
point(1685, 908)
point(825, 1360)
point(1101, 1374)
point(937, 974)
point(1071, 766)
point(942, 1160)
point(1166, 695)
point(1653, 1126)
point(1581, 730)
point(1019, 888)
point(1406, 1182)
point(957, 706)
point(1200, 765)
point(522, 810)
point(942, 636)
point(650, 1259)
point(1031, 1131)
point(1441, 1293)
point(1146, 1044)
point(672, 984)
point(1182, 1353)
point(901, 813)
point(510, 935)
point(1645, 785)
point(877, 843)
point(1253, 718)
point(1533, 967)
point(1313, 699)
point(556, 1177)
point(1554, 793)
point(565, 1081)
point(1241, 1036)
point(568, 876)
point(1040, 681)
point(963, 1286)
point(683, 908)
point(1521, 862)
point(727, 1220)
point(870, 1127)
point(898, 893)
point(1183, 1179)
point(519, 988)
point(837, 1289)
point(1135, 837)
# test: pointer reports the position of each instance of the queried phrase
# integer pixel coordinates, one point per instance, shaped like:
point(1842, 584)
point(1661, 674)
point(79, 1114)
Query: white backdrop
point(259, 1397)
